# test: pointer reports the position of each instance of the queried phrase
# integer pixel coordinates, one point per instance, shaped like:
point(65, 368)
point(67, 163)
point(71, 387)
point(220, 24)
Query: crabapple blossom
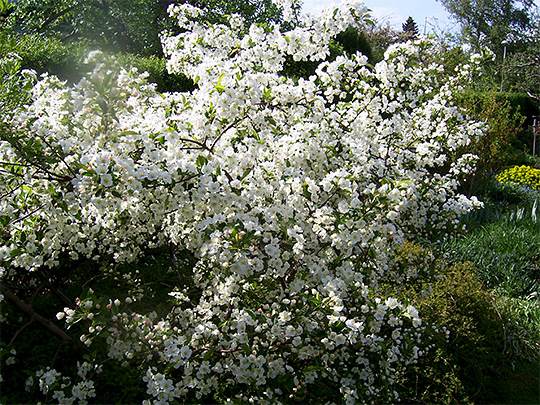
point(292, 194)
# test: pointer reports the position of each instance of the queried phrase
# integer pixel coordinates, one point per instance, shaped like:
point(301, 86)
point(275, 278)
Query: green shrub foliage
point(497, 147)
point(471, 349)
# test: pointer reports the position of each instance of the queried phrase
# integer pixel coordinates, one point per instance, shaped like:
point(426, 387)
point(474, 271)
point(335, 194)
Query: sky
point(429, 15)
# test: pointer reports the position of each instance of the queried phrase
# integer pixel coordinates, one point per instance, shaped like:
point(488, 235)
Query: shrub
point(522, 175)
point(499, 198)
point(157, 72)
point(41, 53)
point(466, 367)
point(481, 337)
point(496, 149)
point(49, 55)
point(290, 195)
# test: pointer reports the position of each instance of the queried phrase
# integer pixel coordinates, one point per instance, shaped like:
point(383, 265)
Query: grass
point(503, 242)
point(503, 246)
point(506, 252)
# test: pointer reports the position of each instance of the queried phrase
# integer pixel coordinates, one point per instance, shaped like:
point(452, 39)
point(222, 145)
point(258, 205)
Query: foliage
point(496, 149)
point(480, 337)
point(122, 25)
point(157, 72)
point(505, 30)
point(505, 195)
point(468, 367)
point(252, 11)
point(523, 327)
point(521, 70)
point(503, 245)
point(125, 26)
point(42, 54)
point(15, 84)
point(6, 8)
point(522, 103)
point(46, 55)
point(290, 196)
point(523, 175)
point(353, 41)
point(380, 37)
point(41, 351)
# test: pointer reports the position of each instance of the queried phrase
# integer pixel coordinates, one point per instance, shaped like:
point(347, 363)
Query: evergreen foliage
point(410, 29)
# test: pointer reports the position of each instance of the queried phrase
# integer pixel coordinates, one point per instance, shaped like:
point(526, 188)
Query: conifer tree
point(410, 29)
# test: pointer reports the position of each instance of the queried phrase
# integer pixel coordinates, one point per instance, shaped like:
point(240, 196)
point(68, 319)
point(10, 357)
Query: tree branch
point(33, 315)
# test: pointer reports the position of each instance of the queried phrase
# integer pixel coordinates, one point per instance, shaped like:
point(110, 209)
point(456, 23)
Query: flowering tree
point(293, 196)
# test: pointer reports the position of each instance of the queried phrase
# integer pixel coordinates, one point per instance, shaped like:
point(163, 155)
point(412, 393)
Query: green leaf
point(4, 220)
point(209, 353)
point(246, 349)
point(128, 133)
point(219, 86)
point(245, 174)
point(270, 120)
point(201, 161)
point(305, 191)
point(103, 105)
point(15, 252)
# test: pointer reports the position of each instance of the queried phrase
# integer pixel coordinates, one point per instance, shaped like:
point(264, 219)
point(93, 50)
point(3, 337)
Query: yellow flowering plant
point(522, 175)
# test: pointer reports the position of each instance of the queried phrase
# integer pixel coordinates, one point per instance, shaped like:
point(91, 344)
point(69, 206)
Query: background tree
point(521, 70)
point(509, 28)
point(492, 23)
point(380, 36)
point(55, 36)
point(120, 25)
point(253, 11)
point(131, 26)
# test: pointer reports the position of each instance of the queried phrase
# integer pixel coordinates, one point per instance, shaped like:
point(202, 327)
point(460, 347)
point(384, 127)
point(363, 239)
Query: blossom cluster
point(61, 388)
point(293, 195)
point(522, 175)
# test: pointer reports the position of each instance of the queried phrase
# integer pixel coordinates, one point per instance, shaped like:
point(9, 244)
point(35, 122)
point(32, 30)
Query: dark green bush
point(157, 70)
point(354, 41)
point(521, 103)
point(510, 193)
point(45, 54)
point(469, 365)
point(39, 53)
point(47, 293)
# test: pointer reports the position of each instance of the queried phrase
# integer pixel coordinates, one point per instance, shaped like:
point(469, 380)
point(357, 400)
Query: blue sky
point(395, 12)
point(428, 14)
